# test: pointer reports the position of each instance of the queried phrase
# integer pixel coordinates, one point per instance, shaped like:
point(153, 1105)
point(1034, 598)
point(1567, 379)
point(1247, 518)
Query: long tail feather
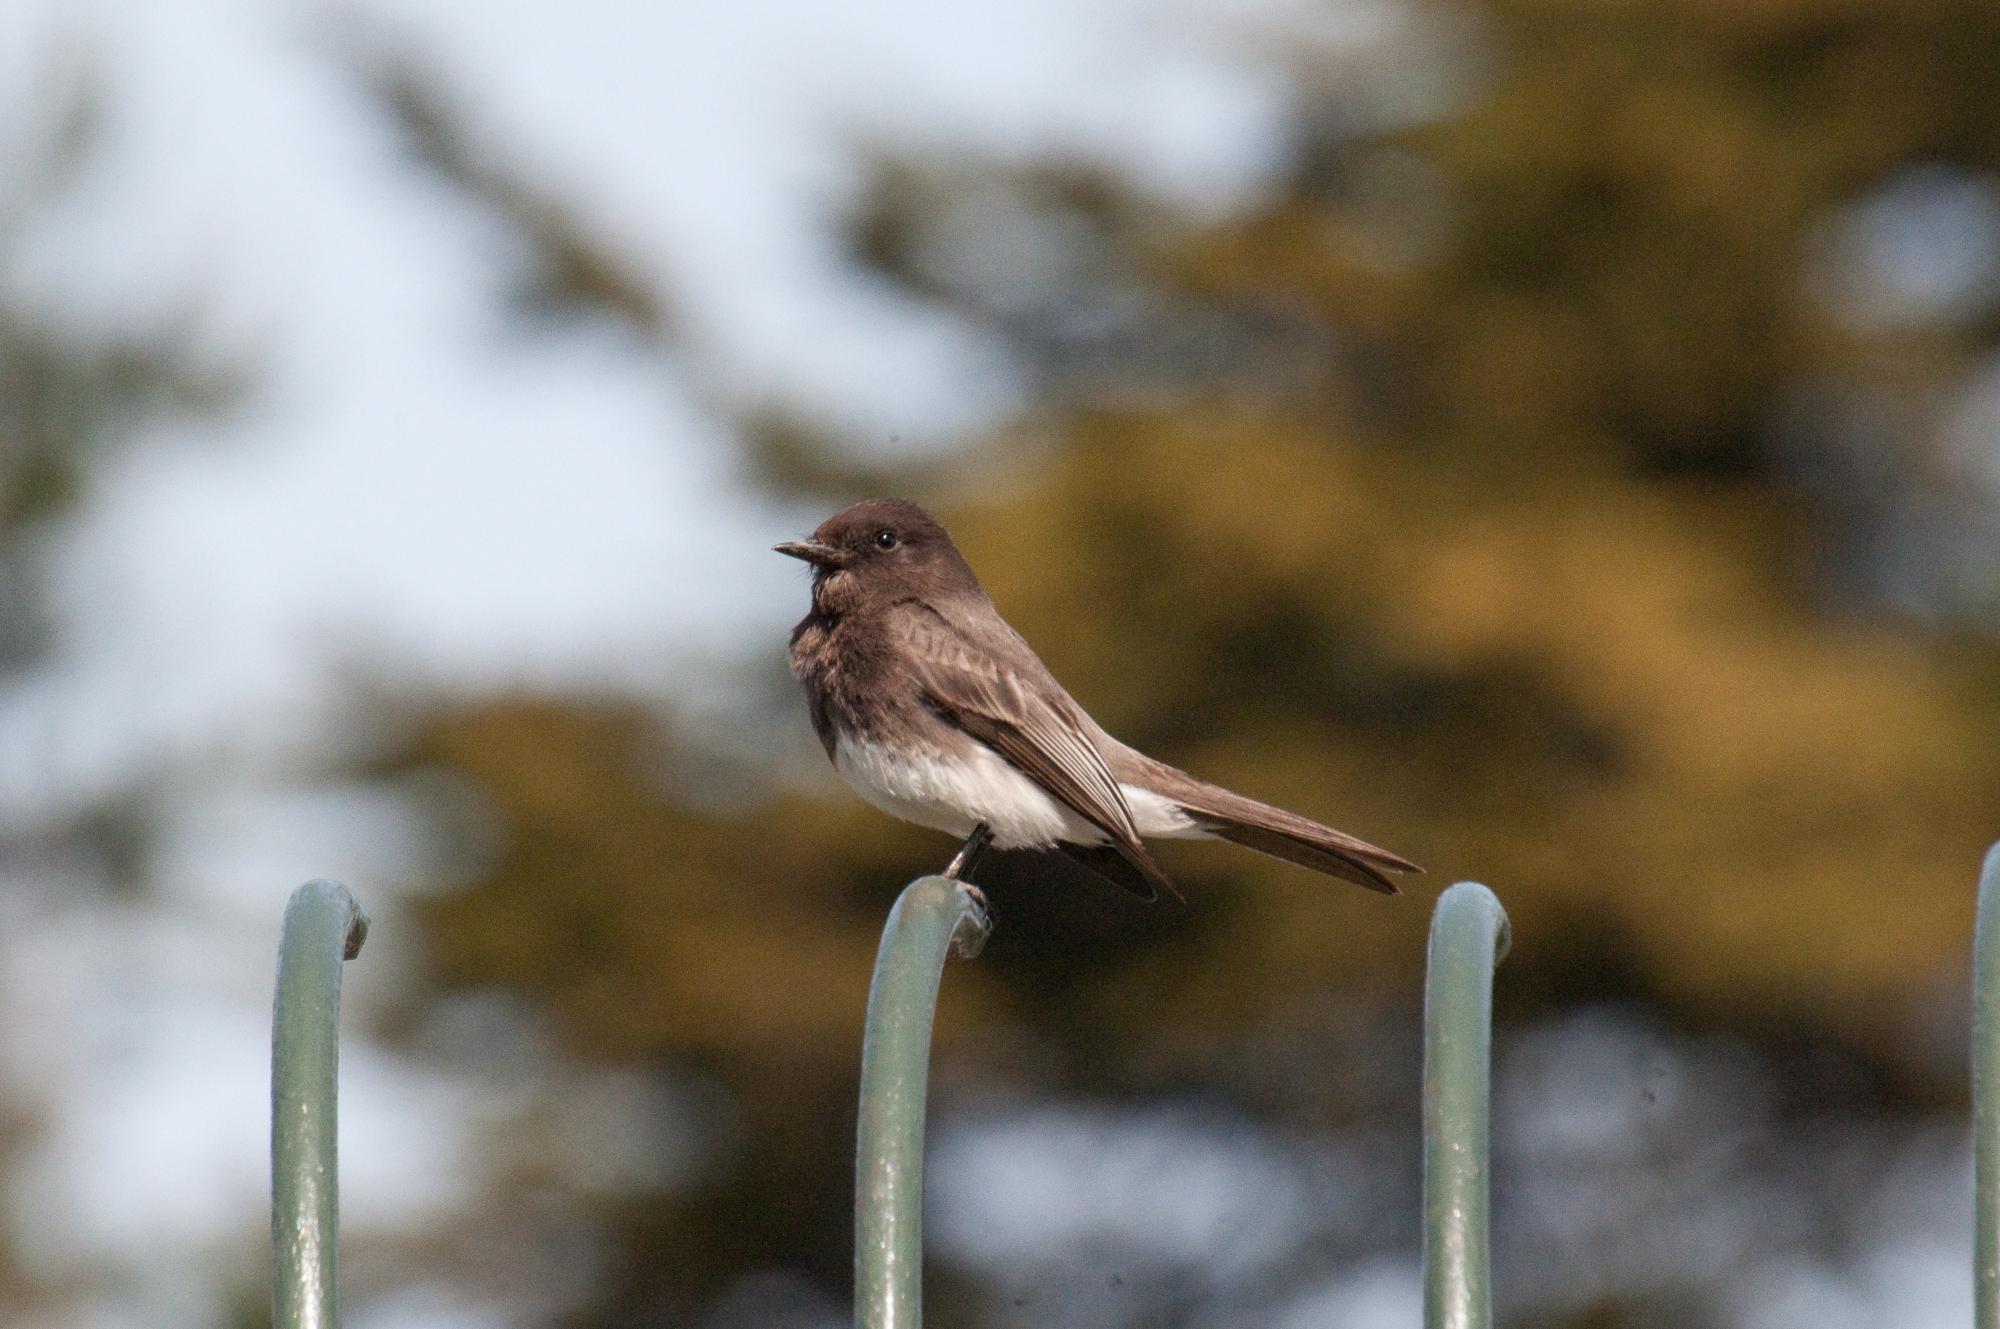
point(1260, 826)
point(1294, 850)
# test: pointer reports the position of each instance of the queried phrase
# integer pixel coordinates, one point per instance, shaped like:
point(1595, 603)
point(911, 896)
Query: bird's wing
point(1022, 713)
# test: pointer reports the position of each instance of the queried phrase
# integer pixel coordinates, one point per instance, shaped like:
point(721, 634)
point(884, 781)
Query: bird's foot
point(974, 926)
point(958, 870)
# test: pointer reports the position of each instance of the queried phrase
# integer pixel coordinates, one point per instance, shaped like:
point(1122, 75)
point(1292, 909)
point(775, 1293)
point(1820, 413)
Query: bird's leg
point(968, 854)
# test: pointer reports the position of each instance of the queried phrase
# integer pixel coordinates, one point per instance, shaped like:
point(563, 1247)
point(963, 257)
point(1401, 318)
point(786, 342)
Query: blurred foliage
point(1516, 583)
point(564, 268)
point(69, 402)
point(1442, 496)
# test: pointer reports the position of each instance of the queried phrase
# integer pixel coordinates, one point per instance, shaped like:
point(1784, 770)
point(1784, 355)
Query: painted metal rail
point(323, 928)
point(1469, 936)
point(933, 919)
point(1986, 1099)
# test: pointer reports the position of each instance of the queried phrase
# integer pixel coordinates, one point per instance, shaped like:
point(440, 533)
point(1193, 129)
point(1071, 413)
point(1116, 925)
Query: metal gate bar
point(323, 927)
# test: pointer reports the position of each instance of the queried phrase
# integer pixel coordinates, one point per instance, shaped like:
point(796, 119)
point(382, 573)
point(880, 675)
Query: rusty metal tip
point(357, 932)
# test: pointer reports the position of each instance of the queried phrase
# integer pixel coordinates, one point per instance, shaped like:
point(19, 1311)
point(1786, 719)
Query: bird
point(935, 710)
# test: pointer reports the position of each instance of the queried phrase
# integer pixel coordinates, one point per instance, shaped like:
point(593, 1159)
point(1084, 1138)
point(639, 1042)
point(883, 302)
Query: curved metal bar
point(1469, 936)
point(934, 917)
point(323, 927)
point(1986, 1099)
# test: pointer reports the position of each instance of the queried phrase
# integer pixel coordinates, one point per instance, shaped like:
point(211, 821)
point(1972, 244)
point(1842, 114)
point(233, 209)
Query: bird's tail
point(1274, 831)
point(1307, 843)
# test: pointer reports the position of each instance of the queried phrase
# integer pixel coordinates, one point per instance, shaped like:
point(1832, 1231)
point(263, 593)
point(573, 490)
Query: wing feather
point(1033, 724)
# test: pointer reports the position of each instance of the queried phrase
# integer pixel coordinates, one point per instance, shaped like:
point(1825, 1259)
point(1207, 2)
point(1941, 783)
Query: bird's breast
point(954, 790)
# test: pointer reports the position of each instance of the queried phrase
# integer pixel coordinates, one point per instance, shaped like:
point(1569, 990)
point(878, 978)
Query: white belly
point(954, 793)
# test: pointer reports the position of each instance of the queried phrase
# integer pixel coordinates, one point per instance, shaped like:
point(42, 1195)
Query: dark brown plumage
point(937, 711)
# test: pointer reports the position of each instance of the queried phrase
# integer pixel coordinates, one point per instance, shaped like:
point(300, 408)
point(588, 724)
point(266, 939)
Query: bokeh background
point(1558, 439)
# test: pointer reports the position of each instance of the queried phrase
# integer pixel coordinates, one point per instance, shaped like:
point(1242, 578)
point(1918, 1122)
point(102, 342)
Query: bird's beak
point(813, 552)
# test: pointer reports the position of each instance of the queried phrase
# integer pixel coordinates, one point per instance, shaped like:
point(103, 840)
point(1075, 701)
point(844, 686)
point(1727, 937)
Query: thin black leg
point(968, 853)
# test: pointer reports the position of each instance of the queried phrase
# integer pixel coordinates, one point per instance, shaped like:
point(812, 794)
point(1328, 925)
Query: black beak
point(813, 552)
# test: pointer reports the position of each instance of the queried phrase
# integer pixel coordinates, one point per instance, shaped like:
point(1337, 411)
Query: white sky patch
point(719, 151)
point(142, 1031)
point(1380, 1295)
point(1922, 248)
point(1214, 1197)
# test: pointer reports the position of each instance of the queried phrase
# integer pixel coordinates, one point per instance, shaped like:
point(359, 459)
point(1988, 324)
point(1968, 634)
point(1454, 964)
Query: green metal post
point(932, 918)
point(1986, 1099)
point(1469, 936)
point(323, 926)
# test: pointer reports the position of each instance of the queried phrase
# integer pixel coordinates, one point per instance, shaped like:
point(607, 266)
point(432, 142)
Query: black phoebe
point(937, 712)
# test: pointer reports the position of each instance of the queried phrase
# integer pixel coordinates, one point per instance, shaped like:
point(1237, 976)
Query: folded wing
point(1026, 717)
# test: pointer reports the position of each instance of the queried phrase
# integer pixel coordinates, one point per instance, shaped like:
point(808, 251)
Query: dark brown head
point(887, 547)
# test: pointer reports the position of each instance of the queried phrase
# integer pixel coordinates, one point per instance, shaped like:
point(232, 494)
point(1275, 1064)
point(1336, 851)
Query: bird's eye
point(885, 539)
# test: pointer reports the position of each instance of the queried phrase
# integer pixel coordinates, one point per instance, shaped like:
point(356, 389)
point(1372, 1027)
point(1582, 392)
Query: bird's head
point(886, 547)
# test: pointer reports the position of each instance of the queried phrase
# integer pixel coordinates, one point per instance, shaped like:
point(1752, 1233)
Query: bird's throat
point(833, 592)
